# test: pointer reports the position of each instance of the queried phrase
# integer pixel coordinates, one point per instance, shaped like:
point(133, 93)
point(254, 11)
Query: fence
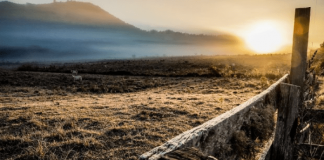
point(288, 99)
point(212, 135)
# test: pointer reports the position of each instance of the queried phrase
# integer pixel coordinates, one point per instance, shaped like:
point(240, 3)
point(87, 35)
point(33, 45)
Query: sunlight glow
point(264, 38)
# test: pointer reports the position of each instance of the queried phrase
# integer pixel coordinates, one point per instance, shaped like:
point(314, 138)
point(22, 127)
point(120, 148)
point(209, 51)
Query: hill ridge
point(72, 12)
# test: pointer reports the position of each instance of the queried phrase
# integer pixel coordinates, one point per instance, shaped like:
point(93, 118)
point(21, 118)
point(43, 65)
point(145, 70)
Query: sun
point(264, 38)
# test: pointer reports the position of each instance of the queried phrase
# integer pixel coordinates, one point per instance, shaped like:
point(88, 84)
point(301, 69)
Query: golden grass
point(109, 126)
point(55, 118)
point(316, 129)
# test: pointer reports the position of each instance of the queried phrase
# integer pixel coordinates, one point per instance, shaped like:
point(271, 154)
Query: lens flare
point(264, 38)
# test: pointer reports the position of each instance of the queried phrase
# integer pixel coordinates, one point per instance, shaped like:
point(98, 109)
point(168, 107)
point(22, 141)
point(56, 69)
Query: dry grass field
point(122, 109)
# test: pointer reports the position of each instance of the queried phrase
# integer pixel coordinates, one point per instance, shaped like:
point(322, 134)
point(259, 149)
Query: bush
point(215, 71)
point(264, 81)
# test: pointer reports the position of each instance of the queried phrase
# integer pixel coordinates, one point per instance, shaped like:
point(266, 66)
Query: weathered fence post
point(282, 146)
point(300, 43)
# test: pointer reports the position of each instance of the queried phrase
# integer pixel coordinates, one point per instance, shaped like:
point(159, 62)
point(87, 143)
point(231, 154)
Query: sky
point(238, 17)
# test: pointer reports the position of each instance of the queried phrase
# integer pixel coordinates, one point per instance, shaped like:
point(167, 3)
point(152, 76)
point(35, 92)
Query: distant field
point(122, 109)
point(270, 65)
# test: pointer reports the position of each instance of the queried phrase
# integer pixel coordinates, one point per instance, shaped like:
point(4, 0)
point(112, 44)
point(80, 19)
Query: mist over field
point(74, 31)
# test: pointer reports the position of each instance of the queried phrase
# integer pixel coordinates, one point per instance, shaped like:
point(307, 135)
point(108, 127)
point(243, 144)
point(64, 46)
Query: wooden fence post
point(282, 146)
point(300, 43)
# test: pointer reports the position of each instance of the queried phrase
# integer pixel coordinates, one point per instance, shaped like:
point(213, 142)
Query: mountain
point(63, 12)
point(78, 30)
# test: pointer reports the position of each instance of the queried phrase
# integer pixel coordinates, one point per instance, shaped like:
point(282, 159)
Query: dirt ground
point(46, 115)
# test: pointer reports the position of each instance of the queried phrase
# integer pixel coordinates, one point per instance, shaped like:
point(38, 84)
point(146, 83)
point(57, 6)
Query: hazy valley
point(74, 31)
